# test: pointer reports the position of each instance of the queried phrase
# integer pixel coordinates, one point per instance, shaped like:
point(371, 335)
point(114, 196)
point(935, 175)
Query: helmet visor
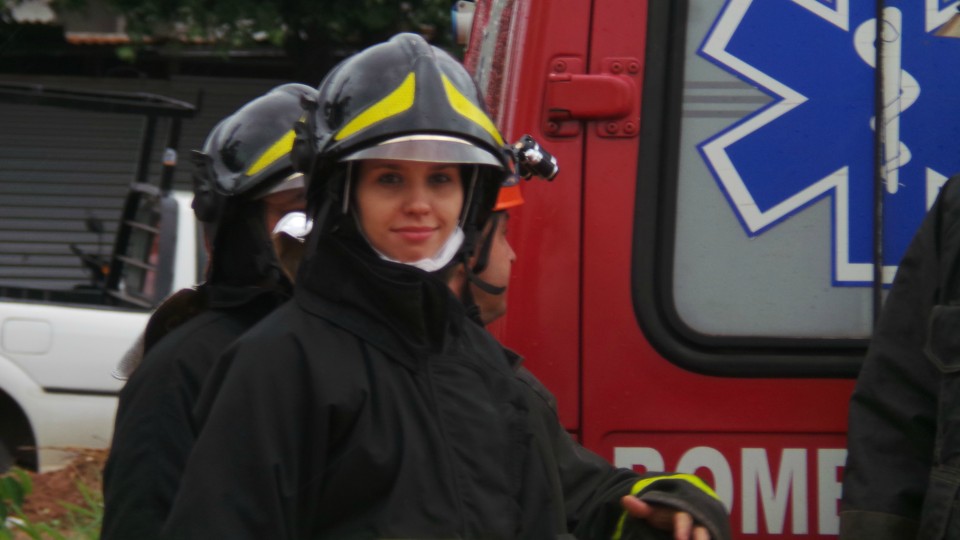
point(427, 148)
point(294, 181)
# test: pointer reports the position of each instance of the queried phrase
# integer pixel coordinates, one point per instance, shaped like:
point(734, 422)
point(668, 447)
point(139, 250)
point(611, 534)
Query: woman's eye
point(440, 178)
point(389, 178)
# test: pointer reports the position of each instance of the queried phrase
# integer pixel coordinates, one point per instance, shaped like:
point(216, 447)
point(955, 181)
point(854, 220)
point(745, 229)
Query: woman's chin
point(410, 257)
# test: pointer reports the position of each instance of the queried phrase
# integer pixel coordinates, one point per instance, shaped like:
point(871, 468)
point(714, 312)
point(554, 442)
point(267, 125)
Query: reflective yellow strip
point(278, 150)
point(646, 482)
point(395, 103)
point(468, 110)
point(693, 479)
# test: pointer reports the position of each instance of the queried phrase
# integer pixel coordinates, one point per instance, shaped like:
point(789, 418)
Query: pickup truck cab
point(58, 348)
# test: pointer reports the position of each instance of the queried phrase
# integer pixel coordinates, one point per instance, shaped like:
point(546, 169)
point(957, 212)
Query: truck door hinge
point(611, 97)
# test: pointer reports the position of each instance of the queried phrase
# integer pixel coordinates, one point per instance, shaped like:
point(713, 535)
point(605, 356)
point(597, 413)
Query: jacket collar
point(403, 311)
point(222, 296)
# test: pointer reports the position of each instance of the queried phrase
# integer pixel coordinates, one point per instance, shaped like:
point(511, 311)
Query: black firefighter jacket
point(903, 465)
point(154, 429)
point(371, 407)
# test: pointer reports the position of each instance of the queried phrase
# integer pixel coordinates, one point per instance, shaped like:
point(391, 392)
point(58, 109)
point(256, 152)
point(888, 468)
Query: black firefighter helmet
point(248, 152)
point(245, 157)
point(402, 99)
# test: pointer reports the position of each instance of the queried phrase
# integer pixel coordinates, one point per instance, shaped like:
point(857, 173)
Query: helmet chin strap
point(466, 298)
point(481, 284)
point(466, 294)
point(483, 258)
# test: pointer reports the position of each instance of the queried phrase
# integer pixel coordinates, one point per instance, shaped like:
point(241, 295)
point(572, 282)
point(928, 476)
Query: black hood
point(242, 254)
point(402, 310)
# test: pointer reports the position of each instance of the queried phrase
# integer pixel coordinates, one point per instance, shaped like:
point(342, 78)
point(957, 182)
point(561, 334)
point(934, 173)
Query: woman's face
point(408, 209)
point(277, 205)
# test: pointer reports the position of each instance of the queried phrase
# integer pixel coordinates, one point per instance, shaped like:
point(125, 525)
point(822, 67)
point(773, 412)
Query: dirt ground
point(51, 489)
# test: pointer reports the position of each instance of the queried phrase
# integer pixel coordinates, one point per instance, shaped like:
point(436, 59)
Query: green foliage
point(14, 487)
point(82, 521)
point(288, 23)
point(86, 519)
point(313, 34)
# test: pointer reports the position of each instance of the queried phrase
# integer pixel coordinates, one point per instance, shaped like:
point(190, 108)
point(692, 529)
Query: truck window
point(140, 272)
point(148, 234)
point(780, 279)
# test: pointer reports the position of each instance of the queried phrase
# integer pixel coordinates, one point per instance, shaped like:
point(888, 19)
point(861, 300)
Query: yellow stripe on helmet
point(276, 151)
point(468, 110)
point(395, 103)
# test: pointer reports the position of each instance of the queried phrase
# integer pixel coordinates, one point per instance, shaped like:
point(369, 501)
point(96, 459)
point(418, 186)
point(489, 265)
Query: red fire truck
point(699, 284)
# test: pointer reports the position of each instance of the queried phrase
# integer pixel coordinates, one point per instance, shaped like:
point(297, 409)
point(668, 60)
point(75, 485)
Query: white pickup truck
point(58, 348)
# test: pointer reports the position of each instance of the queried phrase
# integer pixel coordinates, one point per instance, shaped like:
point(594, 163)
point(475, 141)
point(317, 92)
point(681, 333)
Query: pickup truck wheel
point(6, 458)
point(17, 443)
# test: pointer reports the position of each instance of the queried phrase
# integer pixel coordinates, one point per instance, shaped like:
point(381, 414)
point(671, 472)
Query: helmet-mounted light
point(532, 160)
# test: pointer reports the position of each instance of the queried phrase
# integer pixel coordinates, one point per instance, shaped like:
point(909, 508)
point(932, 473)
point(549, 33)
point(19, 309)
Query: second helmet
point(248, 153)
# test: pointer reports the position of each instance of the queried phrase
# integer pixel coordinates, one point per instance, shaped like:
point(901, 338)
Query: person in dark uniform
point(903, 463)
point(481, 284)
point(244, 184)
point(372, 406)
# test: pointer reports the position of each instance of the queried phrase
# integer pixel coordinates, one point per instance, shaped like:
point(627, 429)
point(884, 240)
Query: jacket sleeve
point(243, 478)
point(892, 415)
point(592, 487)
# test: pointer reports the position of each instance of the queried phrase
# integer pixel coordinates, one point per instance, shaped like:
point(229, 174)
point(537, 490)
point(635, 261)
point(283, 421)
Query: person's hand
point(665, 518)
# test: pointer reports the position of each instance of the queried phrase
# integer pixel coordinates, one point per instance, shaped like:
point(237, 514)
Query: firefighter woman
point(371, 406)
point(243, 185)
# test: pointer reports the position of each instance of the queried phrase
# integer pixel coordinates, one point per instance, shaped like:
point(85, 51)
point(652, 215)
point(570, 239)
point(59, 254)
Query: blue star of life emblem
point(816, 60)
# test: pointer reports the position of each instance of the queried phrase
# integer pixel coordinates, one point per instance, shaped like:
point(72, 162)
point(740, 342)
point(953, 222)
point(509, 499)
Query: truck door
point(734, 232)
point(758, 249)
point(513, 47)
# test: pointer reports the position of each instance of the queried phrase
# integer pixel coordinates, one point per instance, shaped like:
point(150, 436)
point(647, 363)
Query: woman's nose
point(417, 200)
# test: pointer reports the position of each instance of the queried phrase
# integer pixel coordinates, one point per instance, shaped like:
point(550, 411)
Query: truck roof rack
point(142, 193)
point(97, 100)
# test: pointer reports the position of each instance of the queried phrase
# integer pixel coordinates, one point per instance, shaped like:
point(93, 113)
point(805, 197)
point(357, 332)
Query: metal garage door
point(59, 167)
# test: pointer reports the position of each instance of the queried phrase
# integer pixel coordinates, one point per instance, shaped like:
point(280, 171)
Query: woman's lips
point(415, 234)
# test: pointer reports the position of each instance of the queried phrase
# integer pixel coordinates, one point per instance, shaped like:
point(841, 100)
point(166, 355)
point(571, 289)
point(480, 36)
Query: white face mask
point(296, 225)
point(439, 260)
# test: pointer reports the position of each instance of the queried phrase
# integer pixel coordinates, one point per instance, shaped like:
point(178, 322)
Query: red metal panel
point(542, 322)
point(627, 385)
point(632, 397)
